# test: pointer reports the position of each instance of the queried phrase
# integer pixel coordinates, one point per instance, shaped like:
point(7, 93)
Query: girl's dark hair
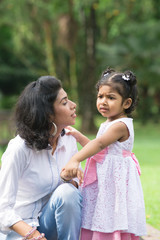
point(124, 83)
point(33, 111)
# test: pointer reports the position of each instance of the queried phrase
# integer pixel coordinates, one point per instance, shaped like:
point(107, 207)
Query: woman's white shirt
point(28, 178)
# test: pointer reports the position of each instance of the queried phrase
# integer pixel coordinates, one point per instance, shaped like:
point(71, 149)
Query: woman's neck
point(54, 140)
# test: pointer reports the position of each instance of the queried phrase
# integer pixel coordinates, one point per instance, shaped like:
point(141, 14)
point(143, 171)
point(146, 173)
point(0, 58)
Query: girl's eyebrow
point(111, 93)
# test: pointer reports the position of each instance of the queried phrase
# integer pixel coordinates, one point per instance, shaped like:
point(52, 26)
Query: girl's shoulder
point(127, 121)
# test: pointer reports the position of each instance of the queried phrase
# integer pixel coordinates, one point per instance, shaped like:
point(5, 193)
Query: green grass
point(147, 150)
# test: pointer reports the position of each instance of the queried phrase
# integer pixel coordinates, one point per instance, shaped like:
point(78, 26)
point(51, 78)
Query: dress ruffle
point(117, 235)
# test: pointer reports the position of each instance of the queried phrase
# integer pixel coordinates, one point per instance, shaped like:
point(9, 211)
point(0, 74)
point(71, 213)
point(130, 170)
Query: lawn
point(147, 150)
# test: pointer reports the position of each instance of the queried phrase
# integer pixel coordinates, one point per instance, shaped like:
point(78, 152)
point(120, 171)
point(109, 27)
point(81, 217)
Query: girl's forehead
point(107, 89)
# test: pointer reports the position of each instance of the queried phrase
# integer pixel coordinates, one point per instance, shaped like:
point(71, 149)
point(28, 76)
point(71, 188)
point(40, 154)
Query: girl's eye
point(99, 96)
point(110, 97)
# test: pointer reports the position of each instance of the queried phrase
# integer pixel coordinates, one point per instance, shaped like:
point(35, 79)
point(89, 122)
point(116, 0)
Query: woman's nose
point(73, 104)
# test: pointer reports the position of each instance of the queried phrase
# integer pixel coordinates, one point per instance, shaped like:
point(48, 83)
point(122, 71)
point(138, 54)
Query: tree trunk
point(49, 48)
point(86, 80)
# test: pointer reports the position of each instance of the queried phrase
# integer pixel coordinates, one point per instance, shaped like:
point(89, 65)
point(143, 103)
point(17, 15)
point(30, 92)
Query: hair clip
point(126, 77)
point(105, 74)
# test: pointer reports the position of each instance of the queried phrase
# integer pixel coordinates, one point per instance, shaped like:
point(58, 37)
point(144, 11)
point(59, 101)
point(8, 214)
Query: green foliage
point(75, 41)
point(7, 102)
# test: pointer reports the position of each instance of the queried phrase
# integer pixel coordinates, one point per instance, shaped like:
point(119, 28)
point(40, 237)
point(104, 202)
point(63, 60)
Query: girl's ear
point(127, 103)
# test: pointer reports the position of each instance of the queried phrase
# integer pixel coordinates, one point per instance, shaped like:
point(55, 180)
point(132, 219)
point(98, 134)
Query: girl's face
point(64, 110)
point(110, 104)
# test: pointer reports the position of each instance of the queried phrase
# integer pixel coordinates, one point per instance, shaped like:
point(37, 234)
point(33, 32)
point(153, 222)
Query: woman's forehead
point(61, 95)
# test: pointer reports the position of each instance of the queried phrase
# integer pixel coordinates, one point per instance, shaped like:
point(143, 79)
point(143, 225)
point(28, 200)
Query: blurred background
point(75, 40)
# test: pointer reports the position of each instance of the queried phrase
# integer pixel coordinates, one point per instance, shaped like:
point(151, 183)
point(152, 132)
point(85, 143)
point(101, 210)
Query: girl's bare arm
point(117, 132)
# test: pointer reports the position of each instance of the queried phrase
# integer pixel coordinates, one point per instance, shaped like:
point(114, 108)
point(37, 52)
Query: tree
point(76, 41)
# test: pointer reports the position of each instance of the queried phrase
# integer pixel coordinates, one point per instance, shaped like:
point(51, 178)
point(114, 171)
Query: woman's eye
point(64, 103)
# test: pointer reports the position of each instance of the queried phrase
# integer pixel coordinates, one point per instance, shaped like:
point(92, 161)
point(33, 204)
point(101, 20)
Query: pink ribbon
point(132, 155)
point(90, 173)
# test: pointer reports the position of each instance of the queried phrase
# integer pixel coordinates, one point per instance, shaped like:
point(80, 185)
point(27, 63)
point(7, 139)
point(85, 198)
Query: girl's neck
point(116, 117)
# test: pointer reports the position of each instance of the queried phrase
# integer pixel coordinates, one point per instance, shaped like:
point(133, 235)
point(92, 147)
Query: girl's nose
point(104, 101)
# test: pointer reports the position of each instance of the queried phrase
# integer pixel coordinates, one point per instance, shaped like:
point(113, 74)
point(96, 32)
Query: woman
point(35, 203)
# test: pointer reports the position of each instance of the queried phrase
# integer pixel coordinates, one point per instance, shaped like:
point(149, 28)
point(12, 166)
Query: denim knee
point(68, 195)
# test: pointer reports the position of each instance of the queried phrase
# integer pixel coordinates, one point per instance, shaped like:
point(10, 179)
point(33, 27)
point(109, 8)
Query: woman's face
point(64, 110)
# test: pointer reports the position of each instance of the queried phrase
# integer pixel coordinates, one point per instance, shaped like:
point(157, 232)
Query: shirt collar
point(61, 143)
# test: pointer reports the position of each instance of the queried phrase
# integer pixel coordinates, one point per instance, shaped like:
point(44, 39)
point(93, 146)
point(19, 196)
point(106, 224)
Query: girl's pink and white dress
point(113, 205)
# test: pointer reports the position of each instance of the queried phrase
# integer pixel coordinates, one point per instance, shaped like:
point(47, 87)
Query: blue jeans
point(61, 217)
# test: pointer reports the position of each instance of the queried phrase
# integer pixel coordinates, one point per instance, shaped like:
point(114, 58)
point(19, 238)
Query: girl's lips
point(103, 109)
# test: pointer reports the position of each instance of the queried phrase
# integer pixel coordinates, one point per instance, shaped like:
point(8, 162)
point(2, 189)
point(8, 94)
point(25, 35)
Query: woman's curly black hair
point(33, 111)
point(124, 83)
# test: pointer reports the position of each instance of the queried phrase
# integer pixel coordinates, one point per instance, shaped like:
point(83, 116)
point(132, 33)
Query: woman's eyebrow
point(64, 98)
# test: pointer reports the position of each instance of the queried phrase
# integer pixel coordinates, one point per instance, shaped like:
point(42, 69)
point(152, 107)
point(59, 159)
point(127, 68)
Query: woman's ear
point(127, 103)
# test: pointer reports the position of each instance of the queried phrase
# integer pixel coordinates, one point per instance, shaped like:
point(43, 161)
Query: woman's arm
point(23, 229)
point(13, 164)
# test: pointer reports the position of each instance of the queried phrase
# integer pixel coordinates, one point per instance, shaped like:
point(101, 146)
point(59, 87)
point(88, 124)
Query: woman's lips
point(74, 115)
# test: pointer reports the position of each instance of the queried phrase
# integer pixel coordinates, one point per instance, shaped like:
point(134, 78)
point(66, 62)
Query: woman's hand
point(36, 234)
point(26, 230)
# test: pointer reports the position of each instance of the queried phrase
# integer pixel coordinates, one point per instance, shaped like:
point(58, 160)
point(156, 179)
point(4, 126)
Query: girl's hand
point(74, 132)
point(69, 174)
point(71, 169)
point(80, 175)
point(82, 139)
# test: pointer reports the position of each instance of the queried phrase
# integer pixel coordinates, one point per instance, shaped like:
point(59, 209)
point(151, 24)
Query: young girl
point(113, 205)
